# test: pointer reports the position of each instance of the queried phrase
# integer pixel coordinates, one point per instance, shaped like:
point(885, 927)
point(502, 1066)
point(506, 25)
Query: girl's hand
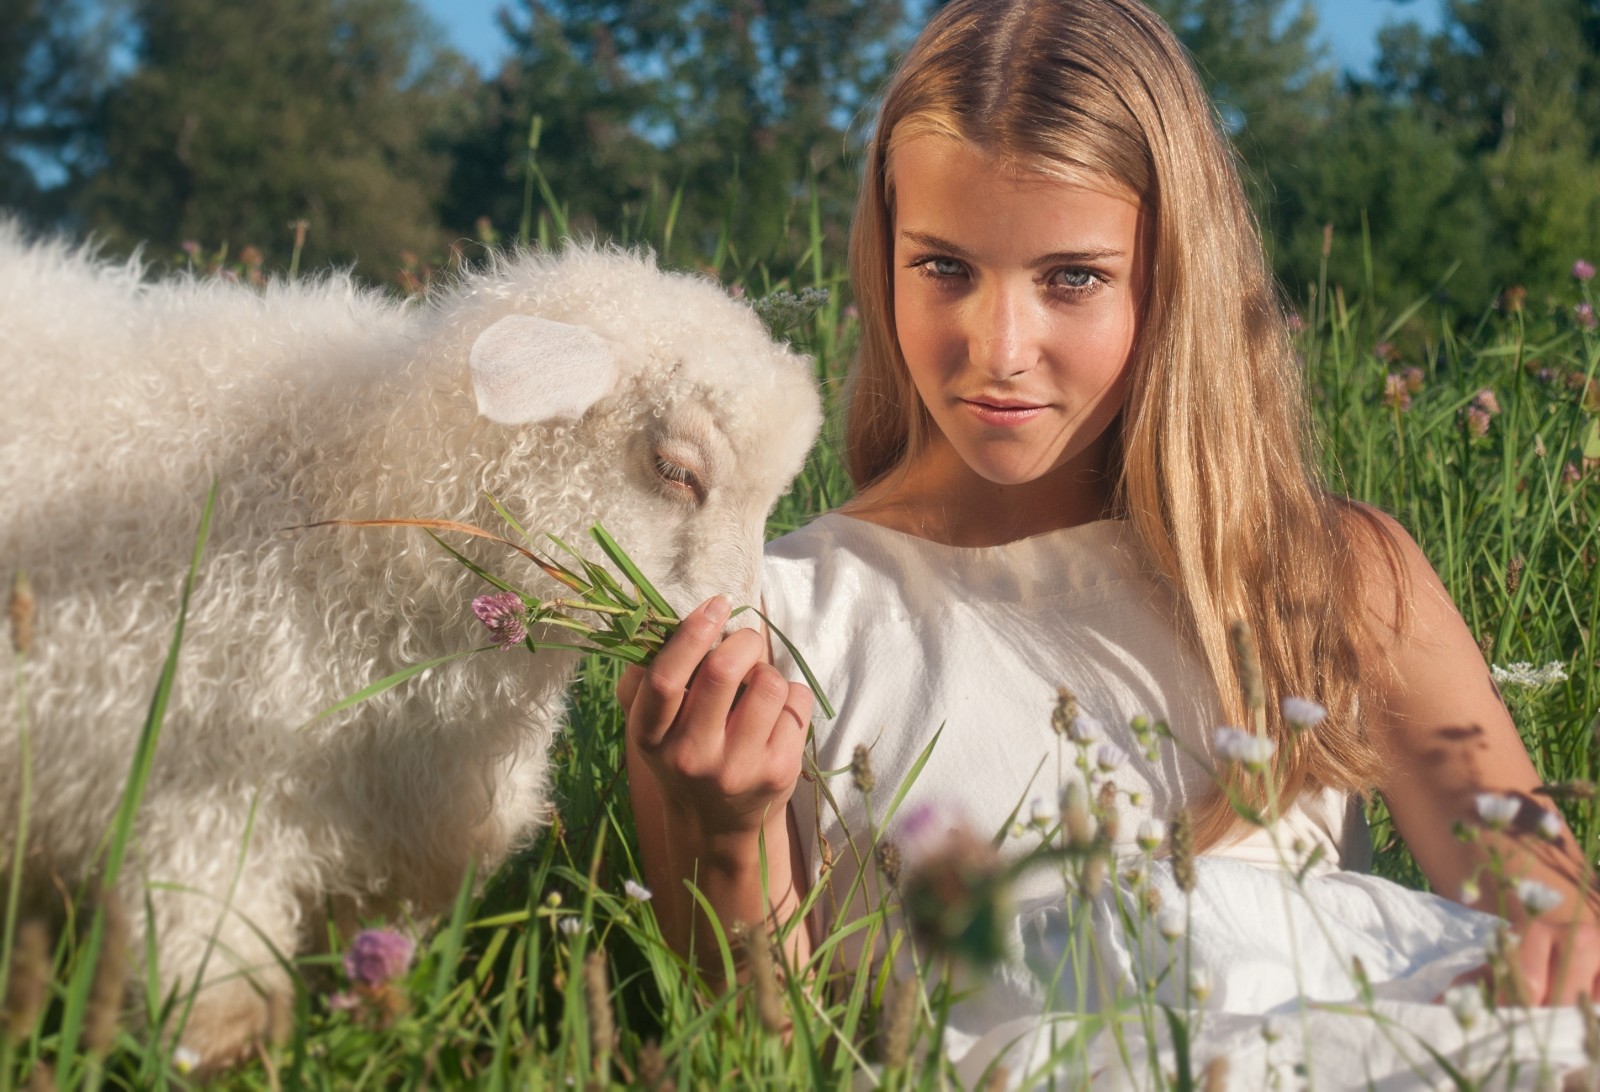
point(720, 730)
point(1557, 961)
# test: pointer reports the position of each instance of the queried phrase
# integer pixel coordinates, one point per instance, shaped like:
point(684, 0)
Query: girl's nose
point(1006, 338)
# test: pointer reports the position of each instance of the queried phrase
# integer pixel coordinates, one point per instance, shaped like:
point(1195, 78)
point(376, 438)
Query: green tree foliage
point(243, 116)
point(740, 106)
point(52, 72)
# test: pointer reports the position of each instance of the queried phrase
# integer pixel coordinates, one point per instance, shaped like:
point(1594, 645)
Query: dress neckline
point(1089, 532)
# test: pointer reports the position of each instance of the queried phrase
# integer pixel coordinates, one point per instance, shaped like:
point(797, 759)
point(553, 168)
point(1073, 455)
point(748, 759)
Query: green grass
point(502, 995)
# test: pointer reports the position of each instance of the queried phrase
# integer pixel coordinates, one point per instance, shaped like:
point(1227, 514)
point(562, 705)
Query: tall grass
point(551, 974)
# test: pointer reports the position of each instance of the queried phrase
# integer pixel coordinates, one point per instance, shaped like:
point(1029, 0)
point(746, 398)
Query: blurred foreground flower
point(1303, 712)
point(1395, 393)
point(1496, 810)
point(1233, 745)
point(1537, 898)
point(1584, 313)
point(374, 961)
point(378, 956)
point(956, 893)
point(1583, 270)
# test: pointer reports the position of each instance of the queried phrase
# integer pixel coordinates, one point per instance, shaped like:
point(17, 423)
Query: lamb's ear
point(532, 369)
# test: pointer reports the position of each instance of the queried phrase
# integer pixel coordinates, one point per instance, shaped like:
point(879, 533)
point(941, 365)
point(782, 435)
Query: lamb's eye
point(678, 478)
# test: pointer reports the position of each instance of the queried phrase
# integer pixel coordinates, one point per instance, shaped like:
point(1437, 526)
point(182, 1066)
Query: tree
point(740, 106)
point(53, 69)
point(240, 118)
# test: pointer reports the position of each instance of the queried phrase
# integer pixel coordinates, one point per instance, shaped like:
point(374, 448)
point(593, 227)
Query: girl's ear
point(527, 369)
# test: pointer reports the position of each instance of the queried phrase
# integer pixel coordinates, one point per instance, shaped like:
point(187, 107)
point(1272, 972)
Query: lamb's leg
point(221, 948)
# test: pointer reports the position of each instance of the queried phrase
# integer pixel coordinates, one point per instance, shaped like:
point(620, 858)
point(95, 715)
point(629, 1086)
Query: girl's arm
point(714, 743)
point(1446, 737)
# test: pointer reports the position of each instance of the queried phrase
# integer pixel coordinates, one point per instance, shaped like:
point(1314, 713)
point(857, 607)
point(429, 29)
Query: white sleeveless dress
point(910, 640)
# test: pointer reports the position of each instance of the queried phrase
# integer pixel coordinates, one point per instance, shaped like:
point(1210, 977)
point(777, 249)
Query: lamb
point(601, 389)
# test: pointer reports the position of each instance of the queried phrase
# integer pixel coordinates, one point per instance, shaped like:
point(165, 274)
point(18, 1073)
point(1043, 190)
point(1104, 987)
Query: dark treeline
point(727, 130)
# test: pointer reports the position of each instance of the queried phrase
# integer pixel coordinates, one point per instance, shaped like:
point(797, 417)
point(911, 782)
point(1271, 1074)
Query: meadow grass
point(551, 974)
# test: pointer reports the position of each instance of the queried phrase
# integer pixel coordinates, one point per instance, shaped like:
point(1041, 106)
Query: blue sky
point(1348, 26)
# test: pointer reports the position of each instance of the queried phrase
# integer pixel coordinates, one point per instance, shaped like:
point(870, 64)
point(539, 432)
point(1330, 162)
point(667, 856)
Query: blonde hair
point(1214, 464)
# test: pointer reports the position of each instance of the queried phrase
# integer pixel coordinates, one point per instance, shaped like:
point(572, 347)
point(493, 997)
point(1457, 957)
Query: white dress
point(910, 640)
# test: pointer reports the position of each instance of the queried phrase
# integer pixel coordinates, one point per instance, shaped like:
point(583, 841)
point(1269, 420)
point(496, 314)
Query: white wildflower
point(1200, 984)
point(1537, 898)
point(1470, 892)
point(1152, 832)
point(1233, 745)
point(637, 891)
point(1274, 1027)
point(1549, 826)
point(1170, 921)
point(184, 1059)
point(1085, 729)
point(572, 925)
point(1041, 814)
point(1524, 674)
point(1496, 809)
point(1303, 712)
point(1465, 1003)
point(1109, 757)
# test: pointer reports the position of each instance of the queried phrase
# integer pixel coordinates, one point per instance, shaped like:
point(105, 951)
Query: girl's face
point(1016, 302)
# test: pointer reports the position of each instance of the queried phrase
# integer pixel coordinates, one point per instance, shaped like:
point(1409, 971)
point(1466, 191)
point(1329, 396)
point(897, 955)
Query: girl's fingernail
point(717, 609)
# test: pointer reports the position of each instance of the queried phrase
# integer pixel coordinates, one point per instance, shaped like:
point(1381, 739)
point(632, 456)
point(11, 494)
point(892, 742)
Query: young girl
point(1079, 439)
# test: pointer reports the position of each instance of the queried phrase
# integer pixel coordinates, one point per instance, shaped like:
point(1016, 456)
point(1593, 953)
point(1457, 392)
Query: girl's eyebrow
point(1087, 254)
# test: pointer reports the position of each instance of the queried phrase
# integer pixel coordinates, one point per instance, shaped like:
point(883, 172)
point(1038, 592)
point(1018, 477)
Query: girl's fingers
point(709, 702)
point(628, 685)
point(750, 723)
point(660, 692)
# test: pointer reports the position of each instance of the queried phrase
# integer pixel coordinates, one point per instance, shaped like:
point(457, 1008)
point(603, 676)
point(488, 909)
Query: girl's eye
point(1075, 281)
point(678, 479)
point(939, 269)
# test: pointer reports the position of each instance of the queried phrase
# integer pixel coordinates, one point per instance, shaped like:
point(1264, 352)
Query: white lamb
point(605, 390)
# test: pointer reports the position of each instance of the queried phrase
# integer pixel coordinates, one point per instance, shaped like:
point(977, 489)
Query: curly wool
point(313, 400)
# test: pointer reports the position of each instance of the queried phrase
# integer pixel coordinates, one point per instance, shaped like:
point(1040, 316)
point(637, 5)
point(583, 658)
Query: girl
point(1079, 439)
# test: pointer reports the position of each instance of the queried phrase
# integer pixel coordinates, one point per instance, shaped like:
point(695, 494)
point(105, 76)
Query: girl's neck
point(936, 496)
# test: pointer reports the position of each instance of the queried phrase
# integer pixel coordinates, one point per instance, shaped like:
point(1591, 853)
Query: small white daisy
point(1085, 729)
point(1549, 826)
point(572, 925)
point(1109, 757)
point(1303, 712)
point(1200, 984)
point(1170, 921)
point(1152, 832)
point(1250, 751)
point(185, 1059)
point(1537, 898)
point(1465, 1003)
point(1496, 810)
point(636, 891)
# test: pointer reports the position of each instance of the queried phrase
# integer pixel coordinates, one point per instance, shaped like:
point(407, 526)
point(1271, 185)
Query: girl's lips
point(1002, 413)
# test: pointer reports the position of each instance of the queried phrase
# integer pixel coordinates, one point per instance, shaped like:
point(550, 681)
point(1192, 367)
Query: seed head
point(900, 1020)
point(1249, 662)
point(861, 769)
point(1568, 790)
point(21, 612)
point(1412, 377)
point(1075, 815)
point(757, 945)
point(1065, 712)
point(29, 984)
point(888, 855)
point(653, 1068)
point(106, 991)
point(1106, 807)
point(1514, 574)
point(1181, 843)
point(597, 997)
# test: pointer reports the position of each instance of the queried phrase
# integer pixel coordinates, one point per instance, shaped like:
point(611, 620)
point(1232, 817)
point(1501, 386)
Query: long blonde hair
point(1214, 463)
